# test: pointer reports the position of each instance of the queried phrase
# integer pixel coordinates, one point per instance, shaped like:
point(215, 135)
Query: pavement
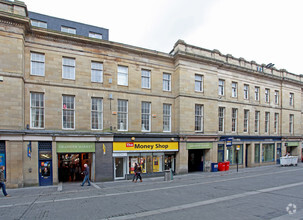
point(256, 193)
point(70, 187)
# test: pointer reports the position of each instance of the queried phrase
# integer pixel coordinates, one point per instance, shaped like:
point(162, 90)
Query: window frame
point(122, 75)
point(257, 121)
point(148, 118)
point(246, 121)
point(69, 66)
point(71, 110)
point(35, 64)
point(199, 118)
point(267, 95)
point(291, 99)
point(257, 93)
point(291, 123)
point(69, 30)
point(221, 119)
point(98, 111)
point(39, 108)
point(199, 82)
point(96, 73)
point(95, 35)
point(38, 23)
point(234, 120)
point(167, 117)
point(145, 79)
point(221, 87)
point(267, 123)
point(234, 89)
point(166, 82)
point(276, 123)
point(122, 116)
point(276, 97)
point(246, 91)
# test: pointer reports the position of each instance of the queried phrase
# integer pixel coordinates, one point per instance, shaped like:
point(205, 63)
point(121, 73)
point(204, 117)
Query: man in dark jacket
point(86, 175)
point(2, 180)
point(135, 171)
point(138, 173)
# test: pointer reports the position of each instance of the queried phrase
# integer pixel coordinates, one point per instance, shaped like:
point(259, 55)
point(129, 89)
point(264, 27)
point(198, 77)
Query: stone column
point(14, 164)
point(30, 165)
point(182, 159)
point(55, 162)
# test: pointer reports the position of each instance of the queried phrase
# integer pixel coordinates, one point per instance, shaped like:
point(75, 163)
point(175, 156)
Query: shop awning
point(204, 145)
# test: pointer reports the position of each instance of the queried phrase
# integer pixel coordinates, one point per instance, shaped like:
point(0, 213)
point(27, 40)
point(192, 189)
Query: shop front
point(197, 156)
point(292, 147)
point(71, 159)
point(251, 150)
point(153, 157)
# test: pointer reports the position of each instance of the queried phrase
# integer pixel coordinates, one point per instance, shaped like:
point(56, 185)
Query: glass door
point(119, 168)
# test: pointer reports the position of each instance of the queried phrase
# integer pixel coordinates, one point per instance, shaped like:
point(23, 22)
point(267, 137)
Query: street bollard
point(167, 175)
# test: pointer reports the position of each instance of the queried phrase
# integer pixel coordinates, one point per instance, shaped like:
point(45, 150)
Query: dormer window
point(68, 30)
point(37, 23)
point(95, 35)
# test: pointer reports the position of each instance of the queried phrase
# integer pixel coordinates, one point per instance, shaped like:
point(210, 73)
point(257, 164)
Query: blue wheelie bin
point(214, 167)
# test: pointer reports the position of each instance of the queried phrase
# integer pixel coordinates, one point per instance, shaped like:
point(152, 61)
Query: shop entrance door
point(70, 166)
point(119, 168)
point(279, 153)
point(45, 173)
point(195, 160)
point(45, 163)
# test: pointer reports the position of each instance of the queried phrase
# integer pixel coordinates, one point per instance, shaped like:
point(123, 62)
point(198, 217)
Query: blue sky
point(266, 31)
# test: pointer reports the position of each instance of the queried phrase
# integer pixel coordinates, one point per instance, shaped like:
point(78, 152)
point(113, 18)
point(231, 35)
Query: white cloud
point(261, 30)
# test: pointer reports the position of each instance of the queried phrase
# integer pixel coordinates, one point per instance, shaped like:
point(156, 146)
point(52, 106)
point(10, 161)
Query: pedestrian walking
point(2, 181)
point(135, 171)
point(86, 175)
point(138, 174)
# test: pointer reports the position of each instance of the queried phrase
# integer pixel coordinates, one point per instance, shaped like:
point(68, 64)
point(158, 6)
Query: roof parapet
point(182, 47)
point(14, 7)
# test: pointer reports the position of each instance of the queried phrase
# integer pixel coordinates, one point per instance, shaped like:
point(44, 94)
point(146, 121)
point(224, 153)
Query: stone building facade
point(68, 100)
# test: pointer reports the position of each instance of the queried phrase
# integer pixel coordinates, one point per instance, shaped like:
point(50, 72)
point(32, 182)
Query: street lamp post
point(237, 159)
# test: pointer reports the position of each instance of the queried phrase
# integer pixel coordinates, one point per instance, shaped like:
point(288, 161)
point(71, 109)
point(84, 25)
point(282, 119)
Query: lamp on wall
point(172, 139)
point(133, 138)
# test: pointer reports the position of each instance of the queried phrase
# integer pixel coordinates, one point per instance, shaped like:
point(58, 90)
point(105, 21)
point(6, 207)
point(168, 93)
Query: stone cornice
point(86, 41)
point(11, 19)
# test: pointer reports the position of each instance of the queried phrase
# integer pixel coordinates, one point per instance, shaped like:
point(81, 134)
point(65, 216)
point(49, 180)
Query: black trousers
point(138, 175)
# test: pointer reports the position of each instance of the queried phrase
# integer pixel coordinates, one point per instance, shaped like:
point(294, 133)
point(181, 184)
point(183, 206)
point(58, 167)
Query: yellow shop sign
point(145, 146)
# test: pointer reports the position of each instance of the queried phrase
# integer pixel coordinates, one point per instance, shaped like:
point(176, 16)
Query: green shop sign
point(76, 147)
point(292, 144)
point(191, 146)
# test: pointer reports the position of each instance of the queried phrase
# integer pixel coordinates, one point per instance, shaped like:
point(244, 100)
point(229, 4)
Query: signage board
point(145, 146)
point(75, 147)
point(202, 145)
point(229, 142)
